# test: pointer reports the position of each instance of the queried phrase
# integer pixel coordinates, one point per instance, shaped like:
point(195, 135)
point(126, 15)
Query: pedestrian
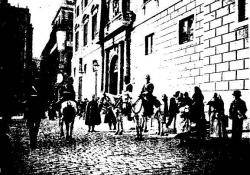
point(93, 114)
point(187, 100)
point(217, 117)
point(52, 111)
point(33, 115)
point(173, 110)
point(82, 107)
point(197, 114)
point(165, 113)
point(109, 116)
point(237, 113)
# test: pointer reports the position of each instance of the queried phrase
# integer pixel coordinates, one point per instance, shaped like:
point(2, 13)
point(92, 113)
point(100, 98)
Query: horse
point(68, 113)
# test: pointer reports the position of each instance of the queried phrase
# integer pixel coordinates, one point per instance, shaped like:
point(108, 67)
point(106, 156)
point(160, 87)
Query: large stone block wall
point(171, 65)
point(217, 59)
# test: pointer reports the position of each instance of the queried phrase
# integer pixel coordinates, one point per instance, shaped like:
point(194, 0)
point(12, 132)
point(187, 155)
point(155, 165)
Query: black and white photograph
point(124, 87)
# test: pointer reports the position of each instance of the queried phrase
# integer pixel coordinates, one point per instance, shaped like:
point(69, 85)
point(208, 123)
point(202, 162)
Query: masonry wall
point(217, 60)
point(88, 53)
point(172, 66)
point(226, 51)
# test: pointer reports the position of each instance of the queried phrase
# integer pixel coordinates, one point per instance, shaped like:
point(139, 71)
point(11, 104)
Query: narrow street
point(103, 152)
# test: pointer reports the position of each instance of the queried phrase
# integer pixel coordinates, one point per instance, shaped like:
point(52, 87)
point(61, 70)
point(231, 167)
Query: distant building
point(86, 50)
point(16, 54)
point(57, 54)
point(101, 56)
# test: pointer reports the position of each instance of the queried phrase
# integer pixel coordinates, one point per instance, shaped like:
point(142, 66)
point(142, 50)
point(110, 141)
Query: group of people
point(185, 113)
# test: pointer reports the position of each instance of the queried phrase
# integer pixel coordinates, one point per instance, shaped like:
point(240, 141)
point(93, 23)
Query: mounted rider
point(148, 101)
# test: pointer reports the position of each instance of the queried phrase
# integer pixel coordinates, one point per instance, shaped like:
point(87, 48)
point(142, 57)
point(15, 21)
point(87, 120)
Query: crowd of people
point(183, 113)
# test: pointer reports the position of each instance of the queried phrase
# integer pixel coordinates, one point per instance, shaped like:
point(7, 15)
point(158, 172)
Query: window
point(80, 89)
point(76, 40)
point(77, 11)
point(69, 36)
point(85, 34)
point(145, 1)
point(74, 71)
point(85, 68)
point(94, 25)
point(85, 3)
point(242, 10)
point(80, 65)
point(186, 29)
point(149, 44)
point(116, 7)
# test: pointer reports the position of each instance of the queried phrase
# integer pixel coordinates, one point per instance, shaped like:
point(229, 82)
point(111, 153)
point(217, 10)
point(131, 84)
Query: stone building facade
point(16, 33)
point(180, 43)
point(57, 53)
point(87, 53)
point(187, 43)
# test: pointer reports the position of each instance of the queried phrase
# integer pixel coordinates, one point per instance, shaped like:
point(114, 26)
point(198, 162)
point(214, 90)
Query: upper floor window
point(85, 68)
point(74, 71)
point(76, 40)
point(69, 36)
point(85, 34)
point(145, 1)
point(94, 25)
point(85, 3)
point(186, 29)
point(242, 10)
point(77, 11)
point(80, 65)
point(115, 7)
point(149, 44)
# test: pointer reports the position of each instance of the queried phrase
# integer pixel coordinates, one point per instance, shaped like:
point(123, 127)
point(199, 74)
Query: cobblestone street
point(103, 152)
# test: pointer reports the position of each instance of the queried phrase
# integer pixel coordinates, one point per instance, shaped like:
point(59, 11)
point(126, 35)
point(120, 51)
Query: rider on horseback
point(148, 101)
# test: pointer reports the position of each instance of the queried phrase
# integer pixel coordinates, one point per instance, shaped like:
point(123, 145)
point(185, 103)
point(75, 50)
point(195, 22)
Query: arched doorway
point(113, 88)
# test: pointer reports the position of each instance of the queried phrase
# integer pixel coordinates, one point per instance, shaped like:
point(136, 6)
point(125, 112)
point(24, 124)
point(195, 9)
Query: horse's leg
point(145, 123)
point(140, 129)
point(159, 126)
point(175, 123)
point(72, 127)
point(67, 129)
point(61, 127)
point(121, 122)
point(118, 127)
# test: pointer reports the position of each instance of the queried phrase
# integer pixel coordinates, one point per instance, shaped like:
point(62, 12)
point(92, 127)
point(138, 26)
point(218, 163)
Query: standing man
point(173, 110)
point(237, 113)
point(93, 114)
point(33, 115)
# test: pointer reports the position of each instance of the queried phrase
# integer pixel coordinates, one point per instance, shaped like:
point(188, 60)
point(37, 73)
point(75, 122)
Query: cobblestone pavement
point(105, 153)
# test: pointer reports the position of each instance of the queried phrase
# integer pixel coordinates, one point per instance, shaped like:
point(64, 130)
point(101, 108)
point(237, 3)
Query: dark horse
point(68, 111)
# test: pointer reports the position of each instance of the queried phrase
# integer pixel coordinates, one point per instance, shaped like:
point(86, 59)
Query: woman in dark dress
point(197, 114)
point(93, 114)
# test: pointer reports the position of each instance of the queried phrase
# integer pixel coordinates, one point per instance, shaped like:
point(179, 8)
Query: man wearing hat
point(148, 101)
point(237, 113)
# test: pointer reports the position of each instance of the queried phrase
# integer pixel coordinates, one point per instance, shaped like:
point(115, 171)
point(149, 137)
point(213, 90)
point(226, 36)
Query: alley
point(103, 152)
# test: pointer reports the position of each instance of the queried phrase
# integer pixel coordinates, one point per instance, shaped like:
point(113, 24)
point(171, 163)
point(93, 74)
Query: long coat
point(93, 116)
point(237, 113)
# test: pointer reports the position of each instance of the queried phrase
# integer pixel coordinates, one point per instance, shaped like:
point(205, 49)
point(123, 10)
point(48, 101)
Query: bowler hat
point(236, 93)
